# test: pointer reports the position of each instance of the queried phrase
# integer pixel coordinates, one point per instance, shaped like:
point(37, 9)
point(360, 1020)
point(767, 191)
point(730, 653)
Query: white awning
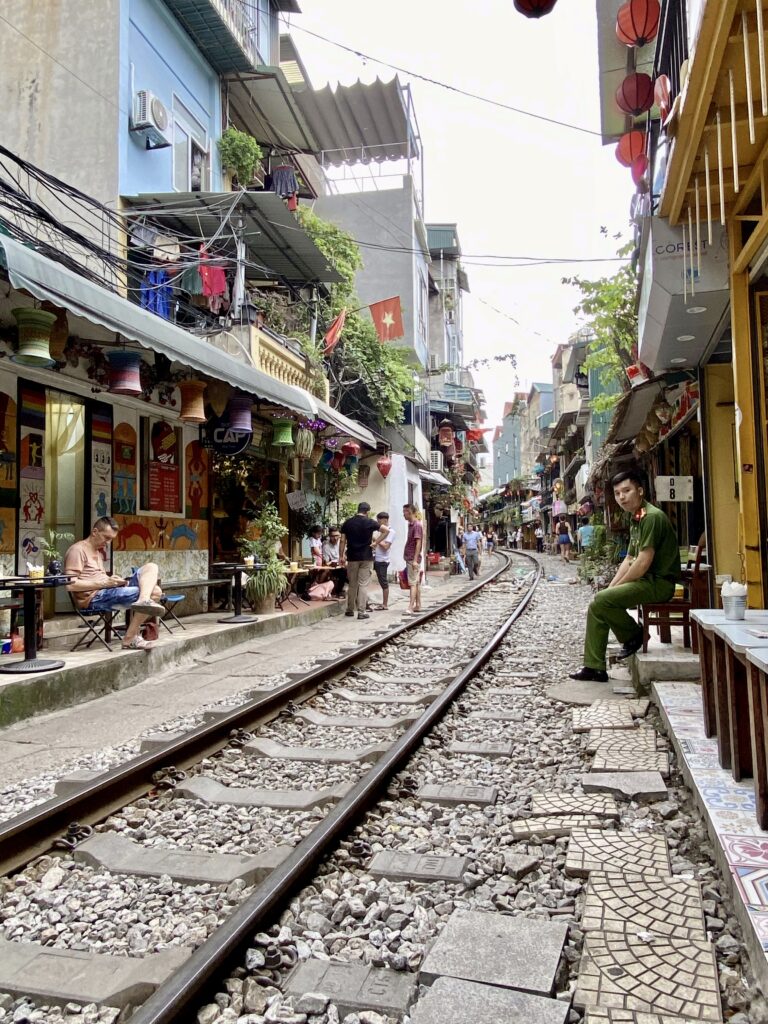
point(434, 478)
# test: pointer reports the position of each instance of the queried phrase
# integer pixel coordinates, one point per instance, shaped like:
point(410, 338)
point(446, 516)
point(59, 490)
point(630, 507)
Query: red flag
point(388, 318)
point(332, 334)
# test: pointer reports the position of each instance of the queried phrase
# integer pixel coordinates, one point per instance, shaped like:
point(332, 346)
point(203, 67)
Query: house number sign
point(674, 488)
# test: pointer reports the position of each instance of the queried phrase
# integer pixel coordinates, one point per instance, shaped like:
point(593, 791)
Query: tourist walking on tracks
point(647, 575)
point(414, 544)
point(93, 589)
point(564, 538)
point(382, 542)
point(472, 540)
point(356, 553)
point(539, 535)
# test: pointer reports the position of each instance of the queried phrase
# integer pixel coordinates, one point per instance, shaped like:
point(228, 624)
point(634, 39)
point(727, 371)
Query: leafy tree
point(609, 304)
point(369, 380)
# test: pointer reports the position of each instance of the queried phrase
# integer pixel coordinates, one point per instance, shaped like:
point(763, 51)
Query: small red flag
point(332, 334)
point(388, 318)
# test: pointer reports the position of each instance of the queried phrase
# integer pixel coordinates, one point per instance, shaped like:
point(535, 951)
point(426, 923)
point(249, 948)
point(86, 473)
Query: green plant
point(50, 543)
point(270, 579)
point(598, 561)
point(266, 582)
point(240, 152)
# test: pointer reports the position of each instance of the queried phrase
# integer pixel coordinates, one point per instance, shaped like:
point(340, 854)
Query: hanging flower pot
point(60, 331)
point(631, 145)
point(317, 454)
point(351, 448)
point(282, 433)
point(217, 393)
point(192, 403)
point(535, 8)
point(124, 373)
point(363, 476)
point(35, 326)
point(637, 22)
point(304, 443)
point(635, 94)
point(239, 409)
point(384, 465)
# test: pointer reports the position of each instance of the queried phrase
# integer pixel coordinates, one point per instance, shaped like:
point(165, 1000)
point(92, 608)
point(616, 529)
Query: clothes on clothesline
point(156, 293)
point(284, 181)
point(190, 281)
point(213, 277)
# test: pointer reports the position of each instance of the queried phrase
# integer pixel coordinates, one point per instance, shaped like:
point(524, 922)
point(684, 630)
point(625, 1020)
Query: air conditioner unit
point(436, 462)
point(150, 119)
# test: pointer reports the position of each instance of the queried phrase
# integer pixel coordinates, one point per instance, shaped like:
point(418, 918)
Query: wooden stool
point(676, 612)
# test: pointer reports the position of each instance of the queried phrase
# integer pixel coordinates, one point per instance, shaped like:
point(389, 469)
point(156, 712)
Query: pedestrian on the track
point(459, 550)
point(585, 533)
point(564, 538)
point(539, 535)
point(519, 538)
point(93, 589)
point(489, 541)
point(356, 554)
point(647, 575)
point(472, 540)
point(382, 542)
point(414, 544)
point(513, 539)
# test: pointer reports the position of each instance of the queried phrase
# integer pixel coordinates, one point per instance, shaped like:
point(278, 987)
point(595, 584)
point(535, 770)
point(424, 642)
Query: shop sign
point(296, 500)
point(217, 435)
point(674, 488)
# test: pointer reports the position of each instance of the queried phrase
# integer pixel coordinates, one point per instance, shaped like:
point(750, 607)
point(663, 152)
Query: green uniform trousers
point(608, 611)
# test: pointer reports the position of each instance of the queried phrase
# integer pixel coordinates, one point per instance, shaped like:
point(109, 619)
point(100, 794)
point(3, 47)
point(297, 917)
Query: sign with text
point(674, 488)
point(217, 435)
point(296, 500)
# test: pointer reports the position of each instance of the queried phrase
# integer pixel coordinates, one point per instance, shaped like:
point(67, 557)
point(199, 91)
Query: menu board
point(164, 491)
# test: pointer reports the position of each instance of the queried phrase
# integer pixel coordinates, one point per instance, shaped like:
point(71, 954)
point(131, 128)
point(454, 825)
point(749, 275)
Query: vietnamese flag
point(388, 318)
point(334, 331)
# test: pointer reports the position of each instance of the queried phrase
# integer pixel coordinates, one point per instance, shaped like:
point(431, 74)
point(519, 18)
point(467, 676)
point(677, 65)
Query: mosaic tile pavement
point(638, 706)
point(548, 805)
point(641, 737)
point(630, 904)
point(613, 756)
point(665, 976)
point(603, 714)
point(603, 1015)
point(554, 828)
point(592, 850)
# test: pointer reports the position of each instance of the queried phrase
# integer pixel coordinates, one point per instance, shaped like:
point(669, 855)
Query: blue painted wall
point(157, 54)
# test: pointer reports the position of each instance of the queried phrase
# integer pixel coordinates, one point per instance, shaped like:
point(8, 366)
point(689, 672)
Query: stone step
point(502, 749)
point(467, 1002)
point(325, 755)
point(550, 804)
point(353, 987)
point(450, 796)
point(642, 736)
point(123, 857)
point(387, 698)
point(418, 867)
point(604, 1015)
point(643, 786)
point(356, 721)
point(672, 665)
point(61, 976)
point(614, 756)
point(596, 850)
point(603, 714)
point(210, 791)
point(553, 828)
point(631, 904)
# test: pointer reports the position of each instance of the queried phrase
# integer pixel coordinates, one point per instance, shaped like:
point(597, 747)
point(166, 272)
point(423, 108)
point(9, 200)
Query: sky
point(515, 186)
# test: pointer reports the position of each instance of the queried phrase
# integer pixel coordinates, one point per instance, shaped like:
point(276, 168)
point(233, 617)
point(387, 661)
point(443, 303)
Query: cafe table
point(236, 570)
point(703, 622)
point(29, 589)
point(757, 667)
point(732, 640)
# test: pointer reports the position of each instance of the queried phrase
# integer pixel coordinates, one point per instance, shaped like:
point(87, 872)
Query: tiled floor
point(630, 904)
point(729, 807)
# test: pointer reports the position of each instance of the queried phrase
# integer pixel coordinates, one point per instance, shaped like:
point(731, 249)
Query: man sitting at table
point(332, 558)
point(93, 589)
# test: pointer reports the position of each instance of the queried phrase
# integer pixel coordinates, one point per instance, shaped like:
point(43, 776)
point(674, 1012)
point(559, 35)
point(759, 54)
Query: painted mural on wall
point(150, 533)
point(31, 474)
point(196, 459)
point(101, 461)
point(124, 470)
point(8, 480)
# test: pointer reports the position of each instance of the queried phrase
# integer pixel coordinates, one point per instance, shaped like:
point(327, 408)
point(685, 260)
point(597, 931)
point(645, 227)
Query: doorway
point(64, 473)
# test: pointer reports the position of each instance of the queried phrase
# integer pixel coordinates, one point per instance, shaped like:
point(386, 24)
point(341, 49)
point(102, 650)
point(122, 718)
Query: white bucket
point(735, 607)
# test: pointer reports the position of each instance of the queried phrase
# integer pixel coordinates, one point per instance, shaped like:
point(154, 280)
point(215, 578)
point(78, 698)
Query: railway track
point(413, 672)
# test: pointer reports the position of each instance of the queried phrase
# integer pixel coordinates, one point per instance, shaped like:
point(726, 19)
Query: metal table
point(235, 569)
point(29, 589)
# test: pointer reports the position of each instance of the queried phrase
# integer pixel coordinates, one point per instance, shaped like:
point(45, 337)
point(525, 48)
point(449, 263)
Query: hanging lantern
point(124, 373)
point(192, 403)
point(351, 448)
point(326, 459)
point(35, 326)
point(662, 92)
point(384, 465)
point(363, 476)
point(317, 454)
point(534, 8)
point(217, 393)
point(445, 433)
point(635, 94)
point(239, 409)
point(637, 22)
point(639, 168)
point(60, 332)
point(282, 433)
point(338, 461)
point(458, 446)
point(350, 464)
point(630, 146)
point(305, 443)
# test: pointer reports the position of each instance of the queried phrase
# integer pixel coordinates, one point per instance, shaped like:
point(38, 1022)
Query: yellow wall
point(721, 466)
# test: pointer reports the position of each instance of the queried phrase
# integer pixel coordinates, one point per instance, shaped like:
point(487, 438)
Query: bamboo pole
point(748, 76)
point(734, 140)
point(720, 171)
point(698, 227)
point(761, 54)
point(708, 190)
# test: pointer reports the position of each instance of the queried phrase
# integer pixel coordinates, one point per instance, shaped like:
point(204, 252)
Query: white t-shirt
point(379, 554)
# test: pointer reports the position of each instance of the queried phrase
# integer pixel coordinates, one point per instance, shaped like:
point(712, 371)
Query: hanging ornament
point(35, 326)
point(217, 392)
point(239, 409)
point(639, 168)
point(350, 464)
point(637, 22)
point(305, 443)
point(326, 459)
point(282, 433)
point(630, 146)
point(338, 461)
point(384, 465)
point(534, 8)
point(635, 94)
point(124, 373)
point(445, 434)
point(363, 476)
point(192, 404)
point(662, 91)
point(351, 448)
point(60, 331)
point(317, 454)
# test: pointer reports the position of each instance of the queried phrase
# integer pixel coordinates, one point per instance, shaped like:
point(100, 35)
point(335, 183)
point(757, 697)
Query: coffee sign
point(217, 435)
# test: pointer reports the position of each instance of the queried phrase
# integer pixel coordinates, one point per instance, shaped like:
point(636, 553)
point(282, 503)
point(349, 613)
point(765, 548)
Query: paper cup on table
point(294, 566)
point(248, 561)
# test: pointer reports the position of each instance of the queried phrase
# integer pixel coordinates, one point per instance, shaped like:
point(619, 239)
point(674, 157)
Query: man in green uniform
point(647, 575)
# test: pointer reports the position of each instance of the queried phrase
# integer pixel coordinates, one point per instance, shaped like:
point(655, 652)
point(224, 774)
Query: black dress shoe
point(349, 614)
point(629, 649)
point(589, 675)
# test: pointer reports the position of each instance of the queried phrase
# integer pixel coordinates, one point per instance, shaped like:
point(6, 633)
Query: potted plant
point(240, 152)
point(50, 546)
point(266, 583)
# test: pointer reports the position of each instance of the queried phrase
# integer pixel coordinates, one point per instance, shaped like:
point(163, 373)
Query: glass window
point(191, 152)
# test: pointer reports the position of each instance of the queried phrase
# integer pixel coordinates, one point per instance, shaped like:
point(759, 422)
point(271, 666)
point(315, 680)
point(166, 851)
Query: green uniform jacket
point(653, 530)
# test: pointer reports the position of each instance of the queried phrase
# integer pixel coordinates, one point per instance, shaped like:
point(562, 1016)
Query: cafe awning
point(632, 410)
point(428, 477)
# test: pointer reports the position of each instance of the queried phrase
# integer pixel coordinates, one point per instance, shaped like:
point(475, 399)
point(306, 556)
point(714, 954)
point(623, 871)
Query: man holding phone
point(93, 589)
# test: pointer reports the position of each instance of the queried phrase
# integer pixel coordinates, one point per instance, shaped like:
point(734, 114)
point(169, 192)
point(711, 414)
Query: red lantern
point(351, 448)
point(534, 8)
point(384, 465)
point(630, 147)
point(639, 168)
point(458, 446)
point(445, 434)
point(662, 90)
point(637, 22)
point(338, 461)
point(635, 94)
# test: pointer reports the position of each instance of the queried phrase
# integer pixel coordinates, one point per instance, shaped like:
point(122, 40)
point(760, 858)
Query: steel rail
point(173, 1001)
point(33, 831)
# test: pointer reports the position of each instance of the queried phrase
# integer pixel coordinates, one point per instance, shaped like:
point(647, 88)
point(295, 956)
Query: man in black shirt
point(357, 554)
